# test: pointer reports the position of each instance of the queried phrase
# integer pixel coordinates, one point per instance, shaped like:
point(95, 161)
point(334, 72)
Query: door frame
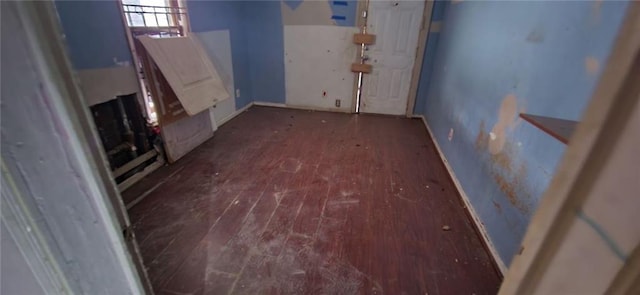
point(43, 33)
point(609, 111)
point(417, 65)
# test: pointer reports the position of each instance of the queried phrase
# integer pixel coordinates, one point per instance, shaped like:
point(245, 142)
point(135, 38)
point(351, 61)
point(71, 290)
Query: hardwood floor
point(297, 202)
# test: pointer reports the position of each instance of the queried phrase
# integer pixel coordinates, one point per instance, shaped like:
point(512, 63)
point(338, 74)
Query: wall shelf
point(560, 129)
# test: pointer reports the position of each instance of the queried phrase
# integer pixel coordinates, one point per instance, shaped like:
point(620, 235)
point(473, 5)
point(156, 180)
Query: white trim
point(296, 107)
point(435, 27)
point(270, 104)
point(235, 114)
point(423, 37)
point(42, 33)
point(476, 220)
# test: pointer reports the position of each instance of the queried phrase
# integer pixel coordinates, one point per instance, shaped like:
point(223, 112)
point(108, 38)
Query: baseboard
point(269, 104)
point(235, 114)
point(298, 107)
point(476, 220)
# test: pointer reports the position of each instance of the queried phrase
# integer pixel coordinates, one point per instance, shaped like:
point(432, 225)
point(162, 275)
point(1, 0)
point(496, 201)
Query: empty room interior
point(320, 147)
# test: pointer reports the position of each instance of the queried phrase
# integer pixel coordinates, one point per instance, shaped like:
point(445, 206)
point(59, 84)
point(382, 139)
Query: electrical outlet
point(237, 92)
point(337, 103)
point(450, 134)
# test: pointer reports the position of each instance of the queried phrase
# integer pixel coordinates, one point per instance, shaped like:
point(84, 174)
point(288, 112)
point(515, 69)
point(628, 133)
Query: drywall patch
point(217, 45)
point(308, 12)
point(507, 115)
point(591, 65)
point(104, 84)
point(316, 66)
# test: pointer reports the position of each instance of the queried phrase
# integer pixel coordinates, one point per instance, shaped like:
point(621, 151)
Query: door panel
point(396, 25)
point(187, 68)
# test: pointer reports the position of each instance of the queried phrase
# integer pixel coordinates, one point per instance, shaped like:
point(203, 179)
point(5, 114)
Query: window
point(157, 18)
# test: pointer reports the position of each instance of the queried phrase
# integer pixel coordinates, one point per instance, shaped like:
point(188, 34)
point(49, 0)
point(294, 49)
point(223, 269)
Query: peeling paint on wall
point(507, 116)
point(592, 65)
point(538, 62)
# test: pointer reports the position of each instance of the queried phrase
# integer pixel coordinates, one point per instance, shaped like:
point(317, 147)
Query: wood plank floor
point(297, 202)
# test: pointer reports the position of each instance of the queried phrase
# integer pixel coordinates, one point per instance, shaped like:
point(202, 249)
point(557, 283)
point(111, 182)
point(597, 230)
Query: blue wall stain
point(264, 31)
point(533, 50)
point(94, 33)
point(293, 4)
point(344, 12)
point(227, 15)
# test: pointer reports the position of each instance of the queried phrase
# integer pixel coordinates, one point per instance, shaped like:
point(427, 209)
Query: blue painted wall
point(437, 16)
point(227, 15)
point(536, 51)
point(264, 32)
point(94, 32)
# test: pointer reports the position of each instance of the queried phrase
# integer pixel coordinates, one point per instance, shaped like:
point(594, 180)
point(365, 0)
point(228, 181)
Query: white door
point(188, 70)
point(396, 25)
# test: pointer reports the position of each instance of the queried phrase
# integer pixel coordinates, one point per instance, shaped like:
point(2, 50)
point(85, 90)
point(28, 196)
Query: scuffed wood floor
point(296, 202)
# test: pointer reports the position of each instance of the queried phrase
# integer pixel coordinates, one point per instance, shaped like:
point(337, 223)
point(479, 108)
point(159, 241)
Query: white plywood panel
point(309, 12)
point(217, 45)
point(101, 85)
point(189, 71)
point(182, 136)
point(396, 25)
point(317, 66)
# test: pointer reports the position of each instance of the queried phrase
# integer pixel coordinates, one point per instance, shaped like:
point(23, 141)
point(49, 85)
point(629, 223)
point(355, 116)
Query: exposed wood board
point(101, 85)
point(189, 71)
point(136, 177)
point(367, 39)
point(134, 163)
point(560, 129)
point(361, 68)
point(317, 60)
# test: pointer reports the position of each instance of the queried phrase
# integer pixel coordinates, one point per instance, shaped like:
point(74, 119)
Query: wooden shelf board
point(560, 129)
